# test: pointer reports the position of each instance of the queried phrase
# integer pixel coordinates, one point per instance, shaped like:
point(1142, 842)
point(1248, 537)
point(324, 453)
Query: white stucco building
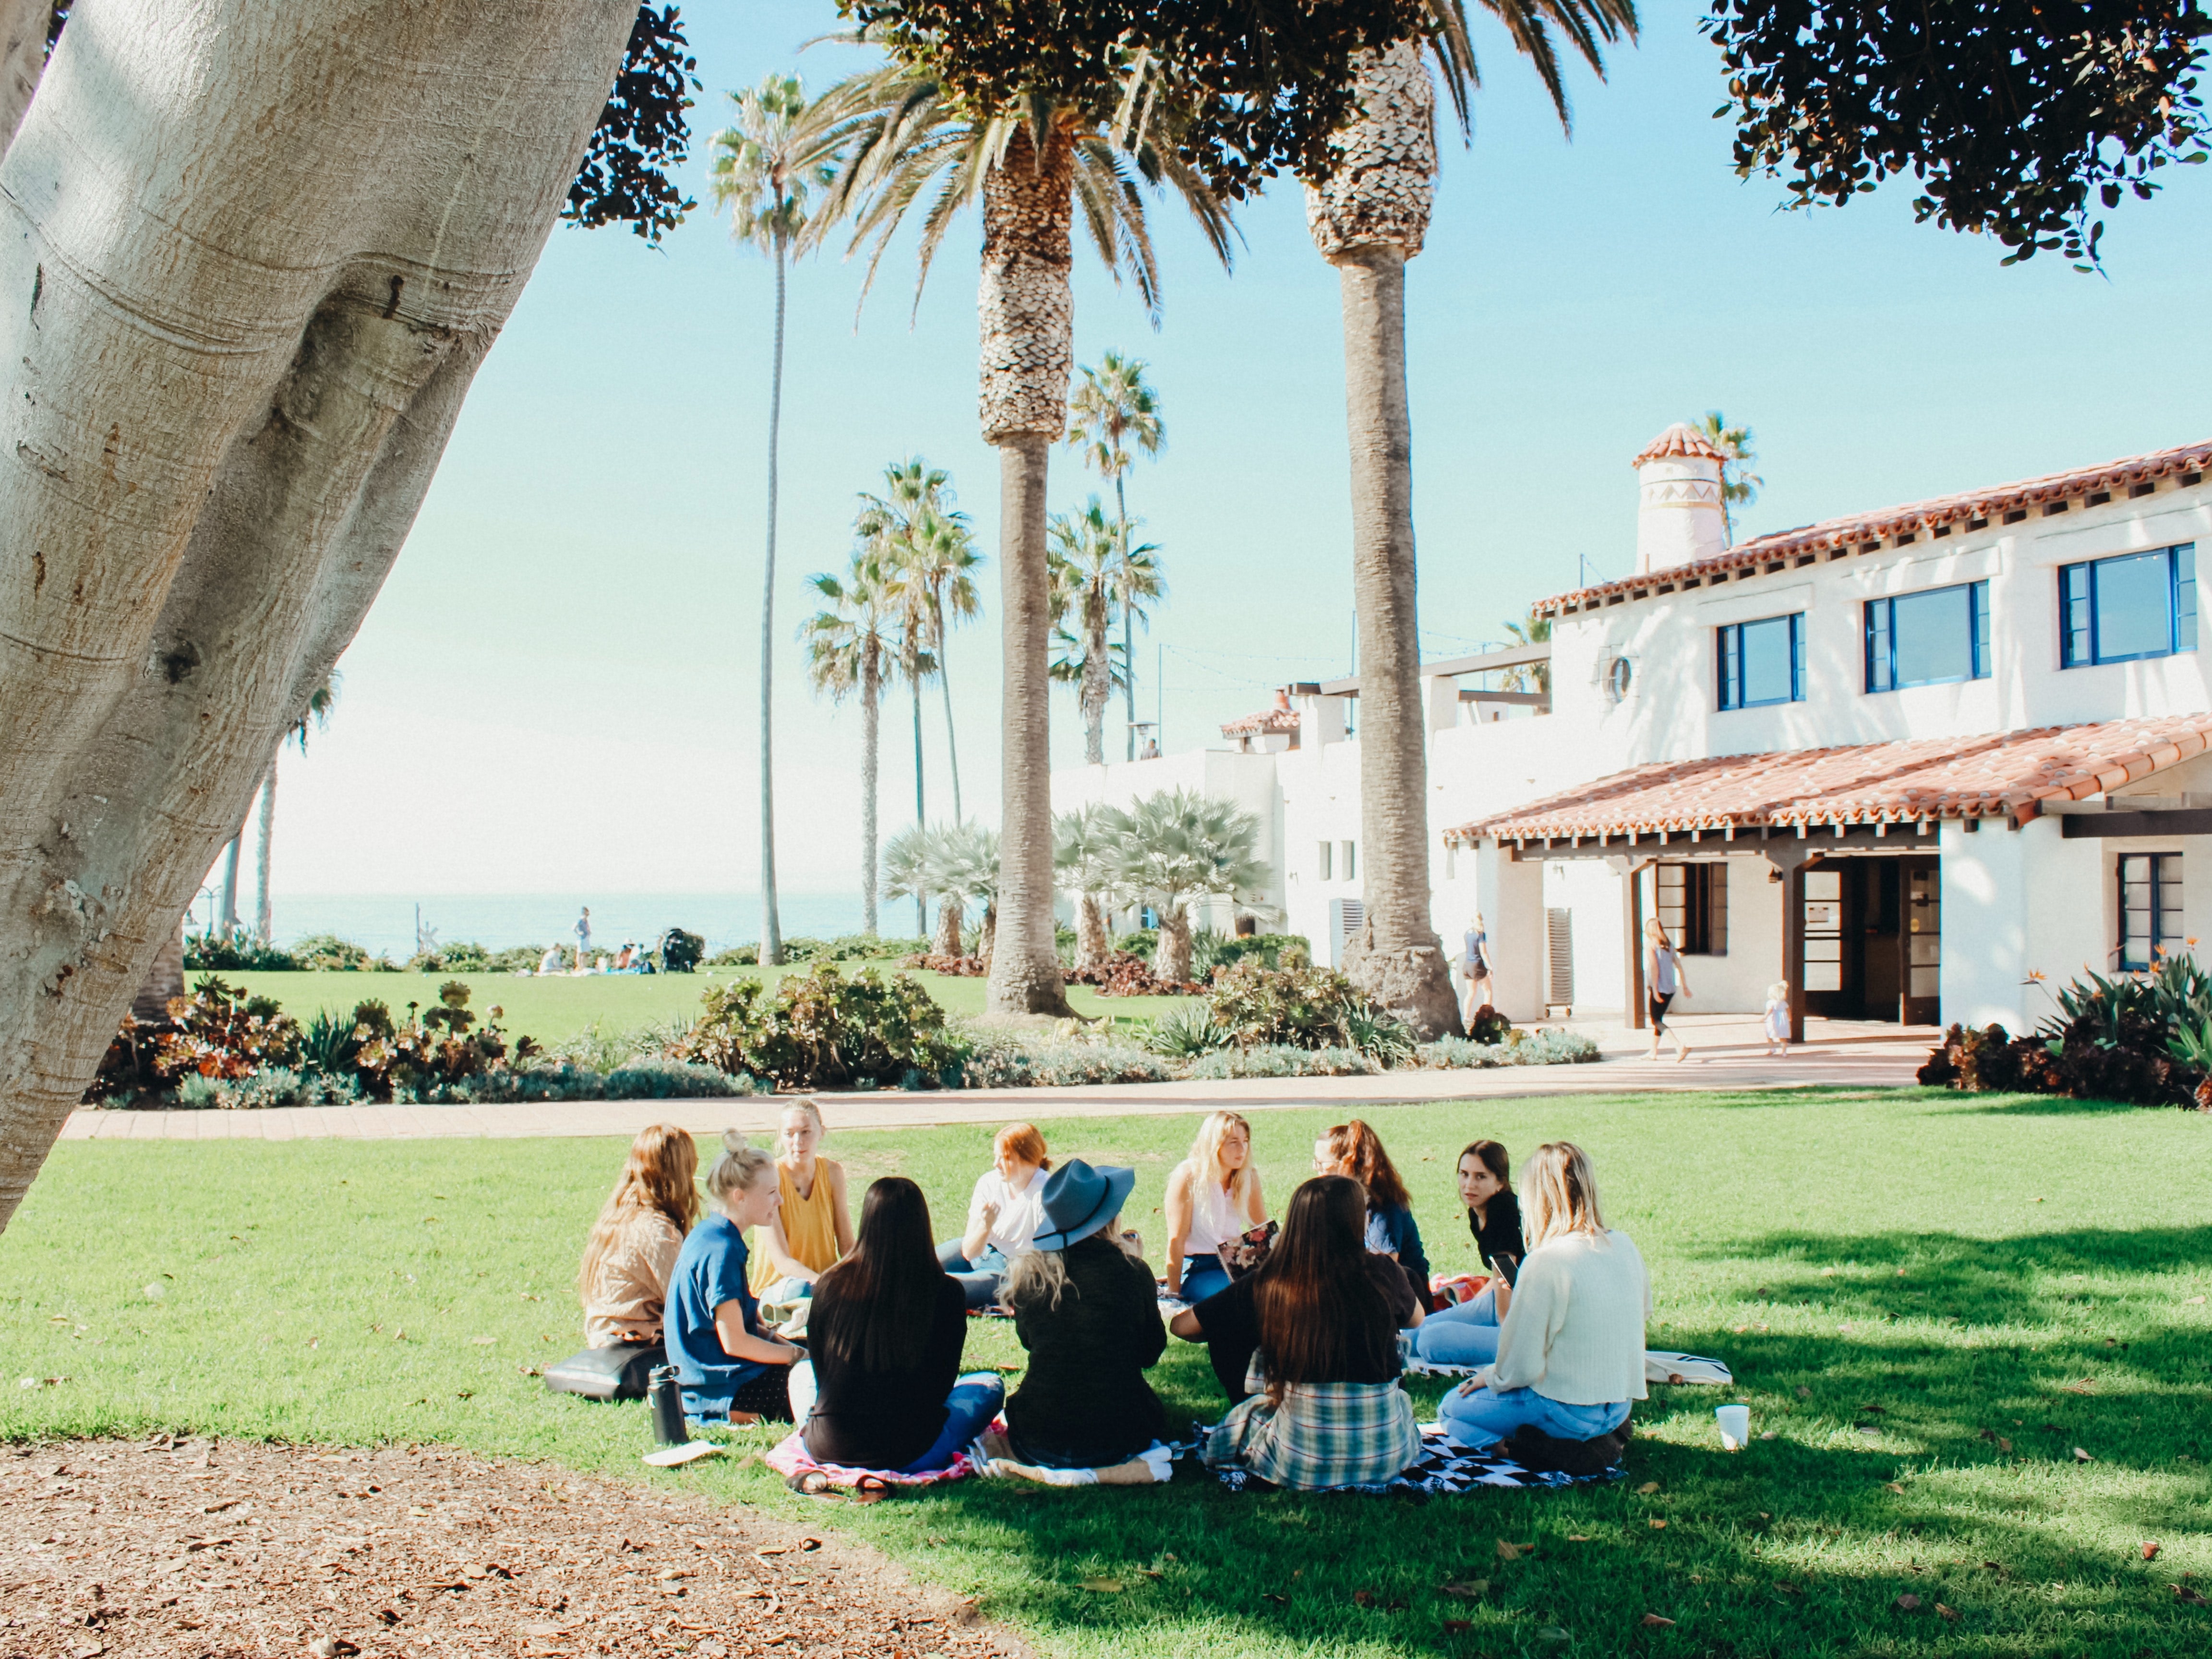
point(1903, 760)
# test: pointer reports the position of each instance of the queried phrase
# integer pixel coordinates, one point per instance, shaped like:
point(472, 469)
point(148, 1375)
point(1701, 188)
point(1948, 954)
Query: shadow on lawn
point(1805, 1542)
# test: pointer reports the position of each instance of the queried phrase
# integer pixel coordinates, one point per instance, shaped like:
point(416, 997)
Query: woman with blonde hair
point(624, 1277)
point(1570, 1351)
point(812, 1228)
point(1213, 1199)
point(729, 1367)
point(1663, 981)
point(1003, 1213)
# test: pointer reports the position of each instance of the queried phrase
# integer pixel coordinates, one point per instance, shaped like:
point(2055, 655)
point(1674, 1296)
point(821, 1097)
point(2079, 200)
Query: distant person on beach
point(550, 961)
point(583, 938)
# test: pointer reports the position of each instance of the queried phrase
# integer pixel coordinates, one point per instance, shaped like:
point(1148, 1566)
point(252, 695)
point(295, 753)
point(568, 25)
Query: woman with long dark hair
point(1354, 1149)
point(882, 1389)
point(1466, 1333)
point(1325, 1313)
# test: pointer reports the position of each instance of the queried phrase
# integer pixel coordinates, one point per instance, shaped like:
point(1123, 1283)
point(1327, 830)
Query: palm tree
point(1096, 572)
point(1112, 409)
point(1368, 218)
point(1534, 675)
point(904, 519)
point(767, 169)
point(1740, 485)
point(1033, 167)
point(1177, 846)
point(320, 701)
point(970, 866)
point(849, 647)
point(938, 561)
point(1083, 853)
point(915, 864)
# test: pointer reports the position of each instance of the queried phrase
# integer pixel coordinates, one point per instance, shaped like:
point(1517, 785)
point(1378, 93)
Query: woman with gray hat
point(1088, 1311)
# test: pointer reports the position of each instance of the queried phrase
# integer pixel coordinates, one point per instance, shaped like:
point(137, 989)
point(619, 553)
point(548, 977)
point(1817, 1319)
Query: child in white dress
point(1777, 1018)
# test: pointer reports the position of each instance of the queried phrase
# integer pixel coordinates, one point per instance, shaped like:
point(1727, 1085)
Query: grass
point(2035, 1269)
point(559, 1008)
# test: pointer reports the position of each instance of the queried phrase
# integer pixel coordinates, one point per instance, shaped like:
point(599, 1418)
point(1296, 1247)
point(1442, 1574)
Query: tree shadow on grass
point(1806, 1542)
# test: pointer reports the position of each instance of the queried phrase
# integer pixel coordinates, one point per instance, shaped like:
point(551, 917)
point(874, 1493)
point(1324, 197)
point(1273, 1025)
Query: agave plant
point(1185, 1031)
point(1379, 1035)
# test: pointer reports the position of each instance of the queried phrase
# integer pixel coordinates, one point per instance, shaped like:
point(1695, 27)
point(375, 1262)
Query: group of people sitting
point(1309, 1324)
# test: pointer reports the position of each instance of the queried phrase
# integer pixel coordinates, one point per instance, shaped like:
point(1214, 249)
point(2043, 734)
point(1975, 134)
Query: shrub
point(821, 1030)
point(326, 953)
point(1058, 1058)
point(736, 955)
point(604, 1051)
point(275, 1086)
point(1123, 974)
point(1299, 1007)
point(1282, 1060)
point(848, 947)
point(1144, 942)
point(239, 950)
point(2142, 1039)
point(411, 1058)
point(655, 1077)
point(1552, 1047)
point(1267, 948)
point(218, 1032)
point(1372, 1031)
point(1185, 1032)
point(950, 967)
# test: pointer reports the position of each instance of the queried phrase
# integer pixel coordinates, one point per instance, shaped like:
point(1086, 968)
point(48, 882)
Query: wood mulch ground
point(201, 1549)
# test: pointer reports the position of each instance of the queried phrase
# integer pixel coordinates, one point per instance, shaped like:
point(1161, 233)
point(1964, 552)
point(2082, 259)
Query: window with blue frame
point(1935, 638)
point(1762, 662)
point(2129, 607)
point(2150, 906)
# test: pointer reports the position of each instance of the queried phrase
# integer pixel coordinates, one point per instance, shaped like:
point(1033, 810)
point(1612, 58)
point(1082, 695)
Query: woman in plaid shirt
point(1326, 1314)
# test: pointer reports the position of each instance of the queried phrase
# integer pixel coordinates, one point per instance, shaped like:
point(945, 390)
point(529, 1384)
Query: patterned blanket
point(1444, 1468)
point(791, 1457)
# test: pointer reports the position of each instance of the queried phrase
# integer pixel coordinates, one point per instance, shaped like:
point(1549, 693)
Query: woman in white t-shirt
point(1663, 981)
point(1571, 1350)
point(1002, 1214)
point(1213, 1199)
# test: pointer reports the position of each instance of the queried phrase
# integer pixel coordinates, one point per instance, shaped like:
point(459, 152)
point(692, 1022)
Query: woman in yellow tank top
point(812, 1229)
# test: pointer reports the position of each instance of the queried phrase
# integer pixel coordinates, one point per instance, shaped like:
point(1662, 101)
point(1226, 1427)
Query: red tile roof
point(1272, 719)
point(2006, 773)
point(1916, 519)
point(1679, 438)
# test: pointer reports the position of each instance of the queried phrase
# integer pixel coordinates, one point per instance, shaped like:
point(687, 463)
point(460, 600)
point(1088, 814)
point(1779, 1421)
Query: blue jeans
point(979, 1279)
point(1203, 1276)
point(1485, 1415)
point(1465, 1334)
point(975, 1401)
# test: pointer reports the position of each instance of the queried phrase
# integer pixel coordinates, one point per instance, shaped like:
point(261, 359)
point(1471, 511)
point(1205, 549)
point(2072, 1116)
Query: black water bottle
point(666, 1399)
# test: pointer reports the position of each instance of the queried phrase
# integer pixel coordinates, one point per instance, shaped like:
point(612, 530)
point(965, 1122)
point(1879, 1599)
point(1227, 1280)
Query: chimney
point(1678, 511)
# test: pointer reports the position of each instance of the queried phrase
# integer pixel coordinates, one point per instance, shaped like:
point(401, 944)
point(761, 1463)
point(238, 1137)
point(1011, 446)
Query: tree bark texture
point(771, 944)
point(255, 255)
point(228, 923)
point(264, 911)
point(1171, 958)
point(23, 25)
point(1028, 310)
point(1092, 946)
point(871, 725)
point(988, 934)
point(1128, 617)
point(1097, 685)
point(913, 684)
point(1367, 219)
point(952, 916)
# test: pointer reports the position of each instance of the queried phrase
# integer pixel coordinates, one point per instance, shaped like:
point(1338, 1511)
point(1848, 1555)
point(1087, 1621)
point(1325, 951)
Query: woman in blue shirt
point(729, 1367)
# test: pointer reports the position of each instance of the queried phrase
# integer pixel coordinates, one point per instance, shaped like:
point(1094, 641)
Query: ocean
point(384, 923)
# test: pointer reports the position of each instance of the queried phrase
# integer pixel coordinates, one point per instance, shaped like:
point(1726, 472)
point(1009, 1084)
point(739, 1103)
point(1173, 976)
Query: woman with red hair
point(1002, 1214)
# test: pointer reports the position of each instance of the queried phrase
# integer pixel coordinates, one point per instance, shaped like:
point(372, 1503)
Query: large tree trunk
point(1028, 314)
point(256, 254)
point(987, 935)
point(1368, 221)
point(952, 916)
point(872, 691)
point(771, 942)
point(913, 684)
point(1171, 957)
point(1092, 946)
point(1097, 685)
point(264, 914)
point(24, 26)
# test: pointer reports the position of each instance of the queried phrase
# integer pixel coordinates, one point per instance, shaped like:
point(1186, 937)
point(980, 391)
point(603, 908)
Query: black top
point(1083, 1402)
point(1498, 1241)
point(1230, 1323)
point(883, 1420)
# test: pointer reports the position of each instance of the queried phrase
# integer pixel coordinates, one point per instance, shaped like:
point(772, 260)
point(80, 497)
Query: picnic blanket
point(1444, 1468)
point(790, 1457)
point(1660, 1366)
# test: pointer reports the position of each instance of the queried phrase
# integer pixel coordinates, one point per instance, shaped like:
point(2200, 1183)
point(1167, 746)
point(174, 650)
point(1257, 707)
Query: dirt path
point(218, 1550)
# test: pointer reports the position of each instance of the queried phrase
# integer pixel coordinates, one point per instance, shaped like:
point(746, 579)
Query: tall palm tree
point(1369, 217)
point(917, 863)
point(848, 647)
point(1097, 574)
point(1083, 852)
point(768, 170)
point(1033, 167)
point(1113, 409)
point(970, 866)
point(1175, 845)
point(913, 514)
point(1740, 485)
point(320, 701)
point(938, 561)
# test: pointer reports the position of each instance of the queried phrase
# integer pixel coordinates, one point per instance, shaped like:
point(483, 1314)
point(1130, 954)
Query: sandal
point(812, 1483)
point(870, 1489)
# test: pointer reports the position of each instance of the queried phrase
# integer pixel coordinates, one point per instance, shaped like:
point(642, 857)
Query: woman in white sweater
point(1570, 1351)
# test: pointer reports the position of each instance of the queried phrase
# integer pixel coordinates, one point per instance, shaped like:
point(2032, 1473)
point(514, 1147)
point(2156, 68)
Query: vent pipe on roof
point(1678, 511)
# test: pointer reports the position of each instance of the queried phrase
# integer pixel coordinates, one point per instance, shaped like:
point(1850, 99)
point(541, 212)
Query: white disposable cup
point(1736, 1425)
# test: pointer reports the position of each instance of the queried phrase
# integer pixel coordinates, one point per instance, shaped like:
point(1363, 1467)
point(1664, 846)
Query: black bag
point(607, 1373)
point(1541, 1454)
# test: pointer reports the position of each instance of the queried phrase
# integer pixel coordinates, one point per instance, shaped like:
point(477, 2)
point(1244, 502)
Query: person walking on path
point(1474, 968)
point(1663, 981)
point(583, 939)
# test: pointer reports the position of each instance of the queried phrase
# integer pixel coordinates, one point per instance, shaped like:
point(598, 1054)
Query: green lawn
point(553, 1009)
point(2034, 1269)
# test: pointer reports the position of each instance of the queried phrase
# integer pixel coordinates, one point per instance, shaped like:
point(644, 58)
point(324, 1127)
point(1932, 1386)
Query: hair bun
point(733, 1141)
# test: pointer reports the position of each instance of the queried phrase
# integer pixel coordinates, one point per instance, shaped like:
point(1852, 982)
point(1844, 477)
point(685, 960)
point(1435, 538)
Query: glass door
point(1923, 942)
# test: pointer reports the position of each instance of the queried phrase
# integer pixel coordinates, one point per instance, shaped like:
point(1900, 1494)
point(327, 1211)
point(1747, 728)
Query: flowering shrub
point(416, 1056)
point(218, 1032)
point(2143, 1039)
point(1127, 975)
point(821, 1030)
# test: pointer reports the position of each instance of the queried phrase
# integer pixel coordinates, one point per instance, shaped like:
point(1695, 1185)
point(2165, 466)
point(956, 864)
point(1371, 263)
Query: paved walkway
point(1728, 1054)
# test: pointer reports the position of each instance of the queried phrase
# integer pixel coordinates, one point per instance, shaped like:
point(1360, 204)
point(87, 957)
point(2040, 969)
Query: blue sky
point(558, 690)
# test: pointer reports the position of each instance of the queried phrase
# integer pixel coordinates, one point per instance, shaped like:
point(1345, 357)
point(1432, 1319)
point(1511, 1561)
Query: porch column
point(1791, 858)
point(1631, 920)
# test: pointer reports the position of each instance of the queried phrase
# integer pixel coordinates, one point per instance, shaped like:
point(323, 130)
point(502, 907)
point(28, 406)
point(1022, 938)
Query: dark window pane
point(2074, 606)
point(2134, 600)
point(1934, 637)
point(1768, 675)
